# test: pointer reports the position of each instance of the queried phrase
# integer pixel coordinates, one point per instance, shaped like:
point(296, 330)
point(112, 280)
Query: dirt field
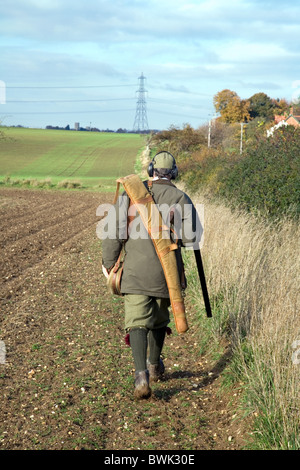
point(67, 381)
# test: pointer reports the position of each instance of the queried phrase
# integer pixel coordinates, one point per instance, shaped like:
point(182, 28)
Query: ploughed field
point(67, 379)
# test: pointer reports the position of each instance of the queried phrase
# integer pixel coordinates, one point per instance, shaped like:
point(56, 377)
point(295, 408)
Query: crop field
point(92, 158)
point(66, 373)
point(67, 378)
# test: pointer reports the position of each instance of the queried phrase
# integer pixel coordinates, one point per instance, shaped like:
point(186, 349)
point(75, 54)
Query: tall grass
point(253, 273)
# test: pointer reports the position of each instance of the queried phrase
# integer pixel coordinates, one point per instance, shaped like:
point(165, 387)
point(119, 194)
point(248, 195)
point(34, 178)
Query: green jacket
point(143, 273)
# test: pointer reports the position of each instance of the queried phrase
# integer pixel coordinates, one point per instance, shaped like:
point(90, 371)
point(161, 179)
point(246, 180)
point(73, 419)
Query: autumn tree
point(282, 106)
point(231, 107)
point(261, 106)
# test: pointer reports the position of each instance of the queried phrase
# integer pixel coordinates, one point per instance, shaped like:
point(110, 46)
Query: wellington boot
point(156, 371)
point(142, 389)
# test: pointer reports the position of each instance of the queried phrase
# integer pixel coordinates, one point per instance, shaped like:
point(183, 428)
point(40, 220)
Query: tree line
point(234, 109)
point(264, 178)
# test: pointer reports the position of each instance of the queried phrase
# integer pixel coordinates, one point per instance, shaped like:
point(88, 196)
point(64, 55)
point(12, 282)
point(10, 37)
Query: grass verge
point(252, 271)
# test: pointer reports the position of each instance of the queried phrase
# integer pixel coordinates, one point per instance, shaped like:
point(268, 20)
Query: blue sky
point(67, 61)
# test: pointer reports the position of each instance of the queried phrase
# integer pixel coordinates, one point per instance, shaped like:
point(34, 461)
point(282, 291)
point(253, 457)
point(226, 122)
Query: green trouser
point(143, 311)
point(146, 319)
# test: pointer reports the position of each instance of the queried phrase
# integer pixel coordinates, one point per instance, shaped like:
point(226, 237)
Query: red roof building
point(292, 119)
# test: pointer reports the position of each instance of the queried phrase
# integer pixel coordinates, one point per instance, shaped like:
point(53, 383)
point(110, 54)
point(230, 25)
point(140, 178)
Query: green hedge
point(267, 178)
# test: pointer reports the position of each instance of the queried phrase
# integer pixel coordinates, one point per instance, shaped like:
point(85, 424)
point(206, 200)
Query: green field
point(94, 159)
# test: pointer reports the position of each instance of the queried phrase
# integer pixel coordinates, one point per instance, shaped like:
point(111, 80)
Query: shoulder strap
point(117, 192)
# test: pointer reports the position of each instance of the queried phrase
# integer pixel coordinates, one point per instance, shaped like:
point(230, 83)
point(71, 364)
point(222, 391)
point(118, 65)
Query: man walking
point(144, 285)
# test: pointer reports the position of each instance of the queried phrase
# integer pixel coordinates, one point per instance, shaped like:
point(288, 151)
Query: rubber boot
point(142, 388)
point(156, 371)
point(155, 364)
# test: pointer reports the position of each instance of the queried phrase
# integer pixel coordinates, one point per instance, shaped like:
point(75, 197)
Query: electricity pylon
point(141, 121)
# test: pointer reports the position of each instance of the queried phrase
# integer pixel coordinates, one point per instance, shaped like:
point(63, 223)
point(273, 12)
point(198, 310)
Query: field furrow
point(27, 244)
point(22, 208)
point(67, 382)
point(30, 225)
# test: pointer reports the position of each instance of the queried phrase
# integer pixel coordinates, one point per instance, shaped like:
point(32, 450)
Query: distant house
point(278, 118)
point(293, 119)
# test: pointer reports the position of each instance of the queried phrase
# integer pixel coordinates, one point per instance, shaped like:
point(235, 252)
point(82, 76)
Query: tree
point(261, 106)
point(223, 98)
point(281, 106)
point(231, 107)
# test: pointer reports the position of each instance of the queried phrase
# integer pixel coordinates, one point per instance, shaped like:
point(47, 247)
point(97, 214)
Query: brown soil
point(67, 382)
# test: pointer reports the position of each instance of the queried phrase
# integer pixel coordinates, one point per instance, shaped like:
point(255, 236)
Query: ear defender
point(174, 171)
point(150, 169)
point(154, 164)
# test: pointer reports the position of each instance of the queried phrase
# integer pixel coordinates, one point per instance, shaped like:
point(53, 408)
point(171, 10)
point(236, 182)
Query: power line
point(187, 93)
point(67, 101)
point(67, 87)
point(141, 116)
point(185, 105)
point(173, 103)
point(99, 111)
point(176, 114)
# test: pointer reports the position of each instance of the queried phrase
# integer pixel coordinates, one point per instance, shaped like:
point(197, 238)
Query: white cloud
point(193, 47)
point(42, 4)
point(252, 51)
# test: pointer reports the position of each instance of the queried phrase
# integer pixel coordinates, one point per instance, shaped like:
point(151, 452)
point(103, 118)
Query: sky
point(67, 61)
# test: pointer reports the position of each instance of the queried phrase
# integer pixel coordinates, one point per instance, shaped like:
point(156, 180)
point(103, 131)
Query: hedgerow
point(264, 179)
point(267, 178)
